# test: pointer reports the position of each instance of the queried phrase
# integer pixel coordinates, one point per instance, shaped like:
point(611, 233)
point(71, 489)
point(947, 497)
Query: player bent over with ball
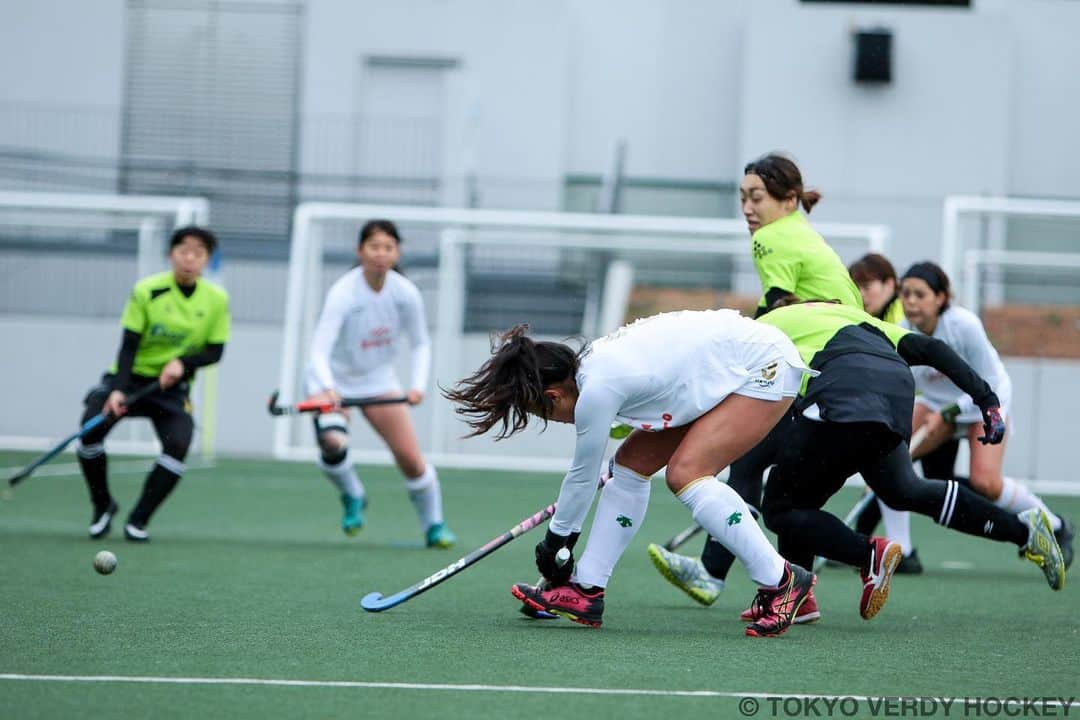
point(700, 389)
point(174, 323)
point(855, 416)
point(352, 353)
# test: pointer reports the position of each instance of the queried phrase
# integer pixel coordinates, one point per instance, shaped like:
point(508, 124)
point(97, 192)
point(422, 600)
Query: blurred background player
point(855, 416)
point(948, 412)
point(718, 386)
point(366, 312)
point(876, 279)
point(793, 262)
point(174, 323)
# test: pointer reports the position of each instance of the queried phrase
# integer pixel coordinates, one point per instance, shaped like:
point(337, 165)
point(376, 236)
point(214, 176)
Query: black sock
point(95, 470)
point(717, 559)
point(971, 513)
point(159, 483)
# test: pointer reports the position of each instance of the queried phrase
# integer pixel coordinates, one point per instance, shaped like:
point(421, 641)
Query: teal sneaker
point(353, 519)
point(439, 536)
point(687, 574)
point(1042, 548)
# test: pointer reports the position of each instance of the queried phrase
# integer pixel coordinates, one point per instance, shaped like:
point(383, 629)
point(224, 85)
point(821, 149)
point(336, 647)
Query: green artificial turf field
point(249, 577)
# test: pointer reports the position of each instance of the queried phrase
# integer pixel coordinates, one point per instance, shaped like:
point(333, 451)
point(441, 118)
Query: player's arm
point(326, 334)
point(778, 270)
point(134, 322)
point(420, 341)
point(918, 349)
point(980, 353)
point(216, 337)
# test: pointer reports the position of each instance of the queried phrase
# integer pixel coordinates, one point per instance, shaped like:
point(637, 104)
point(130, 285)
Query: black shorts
point(173, 401)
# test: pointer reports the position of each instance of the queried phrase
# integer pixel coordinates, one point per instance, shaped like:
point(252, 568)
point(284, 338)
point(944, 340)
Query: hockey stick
point(681, 538)
point(80, 433)
point(868, 497)
point(307, 407)
point(376, 602)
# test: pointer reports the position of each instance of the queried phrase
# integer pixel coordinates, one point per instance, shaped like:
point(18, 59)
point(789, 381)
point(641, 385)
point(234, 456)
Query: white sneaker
point(135, 533)
point(687, 574)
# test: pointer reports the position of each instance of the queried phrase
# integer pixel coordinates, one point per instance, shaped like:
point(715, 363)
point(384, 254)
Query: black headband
point(925, 272)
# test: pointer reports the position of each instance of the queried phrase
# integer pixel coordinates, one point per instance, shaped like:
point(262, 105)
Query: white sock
point(619, 513)
point(1016, 497)
point(726, 517)
point(343, 476)
point(426, 496)
point(897, 526)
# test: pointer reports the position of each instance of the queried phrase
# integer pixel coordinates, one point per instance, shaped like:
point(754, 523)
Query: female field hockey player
point(701, 388)
point(855, 416)
point(876, 279)
point(352, 353)
point(948, 412)
point(793, 262)
point(174, 323)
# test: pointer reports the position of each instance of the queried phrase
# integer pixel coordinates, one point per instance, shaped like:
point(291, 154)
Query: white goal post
point(27, 215)
point(623, 245)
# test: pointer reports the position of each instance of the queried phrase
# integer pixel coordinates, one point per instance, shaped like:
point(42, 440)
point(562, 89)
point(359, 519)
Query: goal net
point(69, 263)
point(481, 271)
point(1016, 263)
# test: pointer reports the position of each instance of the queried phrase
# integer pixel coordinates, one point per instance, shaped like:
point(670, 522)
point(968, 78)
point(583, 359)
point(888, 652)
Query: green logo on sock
point(734, 518)
point(624, 521)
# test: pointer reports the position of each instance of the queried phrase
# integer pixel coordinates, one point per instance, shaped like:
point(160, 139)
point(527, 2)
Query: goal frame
point(148, 214)
point(636, 232)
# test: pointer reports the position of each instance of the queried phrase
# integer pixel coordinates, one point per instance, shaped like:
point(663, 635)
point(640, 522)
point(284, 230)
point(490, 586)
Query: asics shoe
point(568, 601)
point(1064, 536)
point(1042, 549)
point(353, 519)
point(779, 605)
point(687, 574)
point(885, 556)
point(439, 536)
point(807, 613)
point(101, 521)
point(136, 533)
point(530, 612)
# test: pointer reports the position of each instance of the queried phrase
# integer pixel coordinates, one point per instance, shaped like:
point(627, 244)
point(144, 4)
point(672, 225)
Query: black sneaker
point(910, 564)
point(101, 522)
point(135, 533)
point(1064, 536)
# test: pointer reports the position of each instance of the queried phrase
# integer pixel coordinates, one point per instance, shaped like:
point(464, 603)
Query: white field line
point(1064, 702)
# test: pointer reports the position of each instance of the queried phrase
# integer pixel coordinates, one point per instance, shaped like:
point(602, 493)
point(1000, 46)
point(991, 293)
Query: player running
point(366, 313)
point(855, 416)
point(793, 262)
point(949, 413)
point(701, 388)
point(174, 323)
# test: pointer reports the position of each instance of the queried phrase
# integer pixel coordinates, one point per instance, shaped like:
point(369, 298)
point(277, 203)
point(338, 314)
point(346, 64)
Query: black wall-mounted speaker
point(873, 56)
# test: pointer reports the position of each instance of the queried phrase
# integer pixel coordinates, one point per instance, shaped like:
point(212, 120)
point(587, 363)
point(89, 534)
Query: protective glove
point(546, 550)
point(993, 425)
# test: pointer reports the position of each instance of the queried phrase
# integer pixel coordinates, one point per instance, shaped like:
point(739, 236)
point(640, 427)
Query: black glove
point(993, 425)
point(546, 550)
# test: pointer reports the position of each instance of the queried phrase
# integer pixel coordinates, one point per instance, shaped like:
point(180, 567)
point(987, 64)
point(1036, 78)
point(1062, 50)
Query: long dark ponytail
point(510, 384)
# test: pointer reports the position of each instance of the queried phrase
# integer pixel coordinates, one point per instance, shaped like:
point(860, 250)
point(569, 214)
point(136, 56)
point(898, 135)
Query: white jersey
point(664, 371)
point(359, 333)
point(961, 330)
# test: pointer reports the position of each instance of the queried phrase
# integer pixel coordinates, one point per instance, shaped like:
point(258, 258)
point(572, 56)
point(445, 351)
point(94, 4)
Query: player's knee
point(333, 458)
point(681, 471)
point(333, 444)
point(176, 437)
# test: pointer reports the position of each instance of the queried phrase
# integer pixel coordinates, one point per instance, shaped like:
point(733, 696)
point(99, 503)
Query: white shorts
point(774, 381)
point(973, 417)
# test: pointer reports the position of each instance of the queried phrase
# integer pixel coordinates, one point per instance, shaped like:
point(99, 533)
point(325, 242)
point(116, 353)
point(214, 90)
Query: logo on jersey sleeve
point(760, 251)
